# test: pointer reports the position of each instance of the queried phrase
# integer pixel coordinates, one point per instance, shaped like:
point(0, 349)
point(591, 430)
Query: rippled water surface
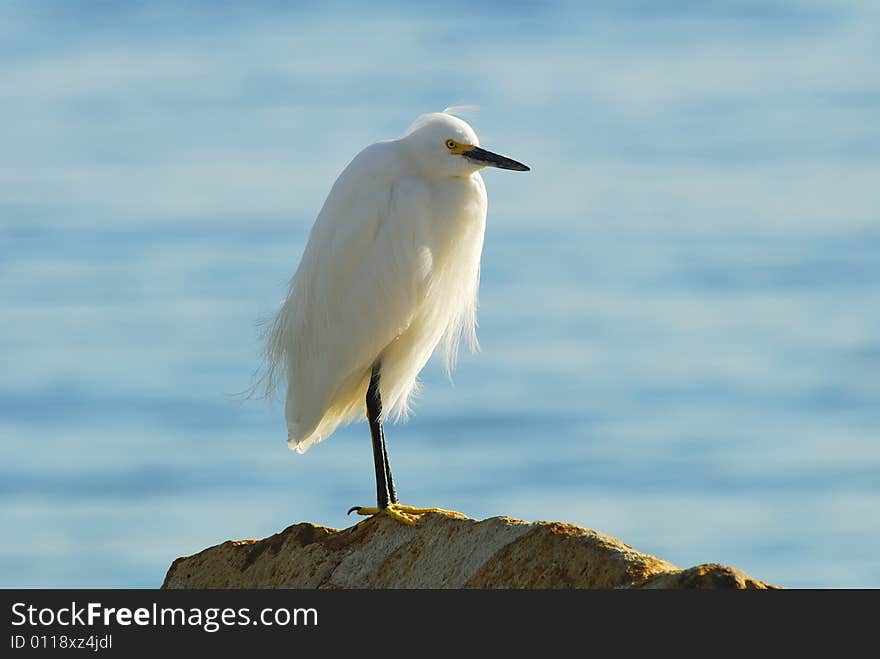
point(679, 312)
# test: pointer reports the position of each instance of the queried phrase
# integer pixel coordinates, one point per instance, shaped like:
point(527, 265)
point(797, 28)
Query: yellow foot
point(406, 514)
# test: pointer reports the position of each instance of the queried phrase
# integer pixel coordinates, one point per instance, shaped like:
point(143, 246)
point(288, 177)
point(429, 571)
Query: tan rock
point(442, 551)
point(707, 576)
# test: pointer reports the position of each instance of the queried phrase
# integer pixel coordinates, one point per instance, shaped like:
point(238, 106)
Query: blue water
point(679, 312)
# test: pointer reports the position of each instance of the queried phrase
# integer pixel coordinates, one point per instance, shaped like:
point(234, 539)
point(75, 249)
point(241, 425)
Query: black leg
point(385, 490)
point(392, 491)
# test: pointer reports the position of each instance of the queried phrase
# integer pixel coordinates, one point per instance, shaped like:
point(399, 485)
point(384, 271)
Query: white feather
point(463, 111)
point(391, 270)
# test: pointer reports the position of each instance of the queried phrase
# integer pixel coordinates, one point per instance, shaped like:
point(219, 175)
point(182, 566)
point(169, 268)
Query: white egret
point(390, 271)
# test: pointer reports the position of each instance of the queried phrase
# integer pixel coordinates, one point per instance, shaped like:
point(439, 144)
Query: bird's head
point(444, 145)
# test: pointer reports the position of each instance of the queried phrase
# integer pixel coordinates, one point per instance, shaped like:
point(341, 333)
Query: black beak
point(484, 157)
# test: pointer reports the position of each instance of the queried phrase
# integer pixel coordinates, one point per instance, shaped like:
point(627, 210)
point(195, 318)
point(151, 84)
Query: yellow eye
point(450, 144)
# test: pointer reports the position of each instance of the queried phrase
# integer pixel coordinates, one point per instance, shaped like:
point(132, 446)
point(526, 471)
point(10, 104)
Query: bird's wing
point(356, 290)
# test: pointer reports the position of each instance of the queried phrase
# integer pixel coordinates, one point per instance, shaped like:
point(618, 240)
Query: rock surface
point(442, 551)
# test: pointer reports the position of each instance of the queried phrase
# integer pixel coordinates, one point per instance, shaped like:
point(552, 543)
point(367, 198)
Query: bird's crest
point(463, 111)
